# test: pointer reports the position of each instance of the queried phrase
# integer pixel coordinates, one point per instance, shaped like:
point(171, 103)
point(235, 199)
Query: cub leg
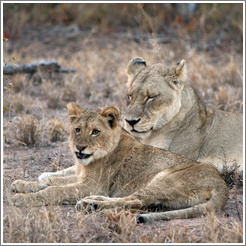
point(175, 189)
point(65, 172)
point(107, 202)
point(53, 195)
point(162, 189)
point(215, 204)
point(22, 186)
point(198, 204)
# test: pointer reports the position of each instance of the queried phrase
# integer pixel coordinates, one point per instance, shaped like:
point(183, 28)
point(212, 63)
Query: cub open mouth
point(80, 155)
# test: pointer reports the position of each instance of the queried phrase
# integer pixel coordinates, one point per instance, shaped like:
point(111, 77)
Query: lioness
point(165, 112)
point(114, 169)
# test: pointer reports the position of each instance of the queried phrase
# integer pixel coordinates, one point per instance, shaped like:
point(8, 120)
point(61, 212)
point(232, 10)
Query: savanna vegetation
point(98, 40)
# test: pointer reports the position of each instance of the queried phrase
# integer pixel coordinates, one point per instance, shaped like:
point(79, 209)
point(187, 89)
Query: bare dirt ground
point(40, 143)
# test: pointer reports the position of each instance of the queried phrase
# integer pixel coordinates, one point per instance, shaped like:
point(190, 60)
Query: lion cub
point(114, 169)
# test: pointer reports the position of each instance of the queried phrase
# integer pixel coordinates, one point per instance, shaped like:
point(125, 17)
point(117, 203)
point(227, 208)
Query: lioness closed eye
point(165, 112)
point(114, 169)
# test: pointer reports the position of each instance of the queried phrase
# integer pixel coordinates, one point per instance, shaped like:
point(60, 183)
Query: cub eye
point(175, 82)
point(95, 132)
point(77, 130)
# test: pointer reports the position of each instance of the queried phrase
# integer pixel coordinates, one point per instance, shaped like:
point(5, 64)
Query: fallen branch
point(44, 66)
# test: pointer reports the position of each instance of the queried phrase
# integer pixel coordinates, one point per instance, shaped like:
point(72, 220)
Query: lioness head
point(93, 135)
point(153, 95)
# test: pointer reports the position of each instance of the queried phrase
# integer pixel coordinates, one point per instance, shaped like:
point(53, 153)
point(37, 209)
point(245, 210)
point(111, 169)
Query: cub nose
point(81, 148)
point(133, 122)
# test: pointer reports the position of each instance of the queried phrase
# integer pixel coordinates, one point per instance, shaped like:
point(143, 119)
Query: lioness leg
point(22, 186)
point(65, 172)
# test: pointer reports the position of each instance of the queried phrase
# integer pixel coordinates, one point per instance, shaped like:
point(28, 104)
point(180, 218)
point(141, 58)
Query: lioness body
point(167, 113)
point(114, 169)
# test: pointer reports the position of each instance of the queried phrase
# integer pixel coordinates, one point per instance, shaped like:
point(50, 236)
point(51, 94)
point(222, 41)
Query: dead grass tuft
point(17, 83)
point(232, 74)
point(39, 225)
point(54, 101)
point(18, 106)
point(21, 104)
point(122, 224)
point(219, 231)
point(28, 131)
point(57, 130)
point(174, 233)
point(227, 99)
point(69, 94)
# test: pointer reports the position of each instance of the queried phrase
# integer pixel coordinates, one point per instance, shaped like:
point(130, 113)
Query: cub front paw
point(96, 198)
point(18, 186)
point(21, 186)
point(44, 176)
point(19, 200)
point(85, 206)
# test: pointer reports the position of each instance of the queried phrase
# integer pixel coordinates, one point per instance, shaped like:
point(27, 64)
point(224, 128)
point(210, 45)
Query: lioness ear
point(73, 111)
point(112, 114)
point(181, 70)
point(179, 73)
point(134, 66)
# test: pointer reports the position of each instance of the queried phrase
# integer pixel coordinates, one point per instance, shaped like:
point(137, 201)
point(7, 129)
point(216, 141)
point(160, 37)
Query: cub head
point(154, 95)
point(93, 135)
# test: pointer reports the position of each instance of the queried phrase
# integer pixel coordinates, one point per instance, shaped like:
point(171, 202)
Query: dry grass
point(108, 17)
point(20, 104)
point(17, 83)
point(37, 116)
point(28, 132)
point(37, 226)
point(63, 225)
point(223, 231)
point(100, 81)
point(57, 130)
point(54, 101)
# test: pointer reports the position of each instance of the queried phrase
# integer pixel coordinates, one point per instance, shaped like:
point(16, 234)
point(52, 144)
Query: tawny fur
point(169, 114)
point(113, 169)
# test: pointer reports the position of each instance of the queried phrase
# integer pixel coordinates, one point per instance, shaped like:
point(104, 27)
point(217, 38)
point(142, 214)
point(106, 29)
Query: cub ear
point(134, 66)
point(112, 114)
point(73, 110)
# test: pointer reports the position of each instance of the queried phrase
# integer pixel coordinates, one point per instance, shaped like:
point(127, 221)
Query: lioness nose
point(132, 122)
point(81, 148)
